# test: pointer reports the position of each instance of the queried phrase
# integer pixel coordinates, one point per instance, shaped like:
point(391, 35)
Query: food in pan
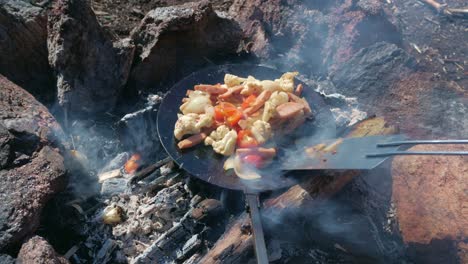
point(240, 117)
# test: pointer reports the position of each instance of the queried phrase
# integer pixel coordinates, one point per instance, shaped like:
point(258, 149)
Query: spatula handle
point(412, 142)
point(397, 153)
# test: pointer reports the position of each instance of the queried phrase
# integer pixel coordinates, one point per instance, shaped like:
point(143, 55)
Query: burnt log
point(235, 245)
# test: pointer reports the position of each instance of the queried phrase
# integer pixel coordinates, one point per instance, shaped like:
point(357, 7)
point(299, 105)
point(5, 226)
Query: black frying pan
point(203, 163)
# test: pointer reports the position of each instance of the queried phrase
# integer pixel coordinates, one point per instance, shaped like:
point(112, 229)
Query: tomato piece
point(218, 114)
point(253, 159)
point(246, 140)
point(233, 118)
point(249, 101)
point(227, 112)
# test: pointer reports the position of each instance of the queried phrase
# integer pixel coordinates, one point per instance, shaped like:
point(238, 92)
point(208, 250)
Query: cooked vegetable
point(223, 140)
point(191, 123)
point(248, 102)
point(276, 99)
point(253, 159)
point(261, 131)
point(245, 139)
point(196, 103)
point(243, 113)
point(233, 80)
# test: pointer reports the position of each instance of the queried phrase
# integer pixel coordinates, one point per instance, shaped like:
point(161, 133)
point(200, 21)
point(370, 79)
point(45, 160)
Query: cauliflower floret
point(196, 104)
point(251, 85)
point(261, 130)
point(276, 98)
point(190, 124)
point(223, 140)
point(270, 85)
point(286, 81)
point(232, 80)
point(246, 123)
point(205, 120)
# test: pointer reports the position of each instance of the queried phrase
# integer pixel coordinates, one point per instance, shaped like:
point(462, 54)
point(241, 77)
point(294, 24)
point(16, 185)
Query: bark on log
point(235, 245)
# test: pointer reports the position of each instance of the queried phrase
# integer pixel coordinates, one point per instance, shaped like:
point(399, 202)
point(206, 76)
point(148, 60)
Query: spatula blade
point(349, 154)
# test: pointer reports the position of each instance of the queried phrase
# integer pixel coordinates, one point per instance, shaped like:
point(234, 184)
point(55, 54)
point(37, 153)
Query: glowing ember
point(132, 164)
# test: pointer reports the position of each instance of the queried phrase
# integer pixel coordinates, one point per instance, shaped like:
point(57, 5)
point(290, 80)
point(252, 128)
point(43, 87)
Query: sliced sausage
point(231, 91)
point(299, 89)
point(211, 89)
point(289, 109)
point(266, 153)
point(259, 102)
point(297, 99)
point(192, 141)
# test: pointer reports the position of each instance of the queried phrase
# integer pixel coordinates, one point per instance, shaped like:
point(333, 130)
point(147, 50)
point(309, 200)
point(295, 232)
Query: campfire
point(350, 115)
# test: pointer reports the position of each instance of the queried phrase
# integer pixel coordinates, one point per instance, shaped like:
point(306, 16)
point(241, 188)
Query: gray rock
point(174, 41)
point(32, 168)
point(6, 139)
point(38, 250)
point(114, 186)
point(6, 259)
point(91, 69)
point(23, 48)
point(370, 72)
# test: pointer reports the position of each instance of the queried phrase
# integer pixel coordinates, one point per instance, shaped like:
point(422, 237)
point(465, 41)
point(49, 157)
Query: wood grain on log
point(236, 243)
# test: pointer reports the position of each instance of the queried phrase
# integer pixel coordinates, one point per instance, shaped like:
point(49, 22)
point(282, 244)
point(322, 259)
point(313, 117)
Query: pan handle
point(259, 239)
point(411, 142)
point(398, 153)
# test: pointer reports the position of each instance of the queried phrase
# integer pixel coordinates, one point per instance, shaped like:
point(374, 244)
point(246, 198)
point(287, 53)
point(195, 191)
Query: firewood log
point(236, 244)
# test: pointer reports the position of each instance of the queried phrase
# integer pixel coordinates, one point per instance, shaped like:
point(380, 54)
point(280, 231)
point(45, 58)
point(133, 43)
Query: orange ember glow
point(132, 164)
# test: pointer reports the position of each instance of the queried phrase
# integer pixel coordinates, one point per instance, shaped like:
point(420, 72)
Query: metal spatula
point(362, 153)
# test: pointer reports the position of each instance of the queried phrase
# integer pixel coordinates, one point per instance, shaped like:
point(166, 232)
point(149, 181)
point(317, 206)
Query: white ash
point(151, 101)
point(148, 217)
point(345, 109)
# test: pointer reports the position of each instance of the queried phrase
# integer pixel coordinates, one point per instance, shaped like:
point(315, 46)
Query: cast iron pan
point(203, 163)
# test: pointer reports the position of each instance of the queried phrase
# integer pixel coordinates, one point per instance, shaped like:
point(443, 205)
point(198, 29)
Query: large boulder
point(429, 193)
point(23, 48)
point(31, 167)
point(426, 106)
point(370, 72)
point(174, 41)
point(313, 36)
point(91, 69)
point(38, 250)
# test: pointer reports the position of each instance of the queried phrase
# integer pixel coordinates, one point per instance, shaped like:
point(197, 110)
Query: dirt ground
point(439, 43)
